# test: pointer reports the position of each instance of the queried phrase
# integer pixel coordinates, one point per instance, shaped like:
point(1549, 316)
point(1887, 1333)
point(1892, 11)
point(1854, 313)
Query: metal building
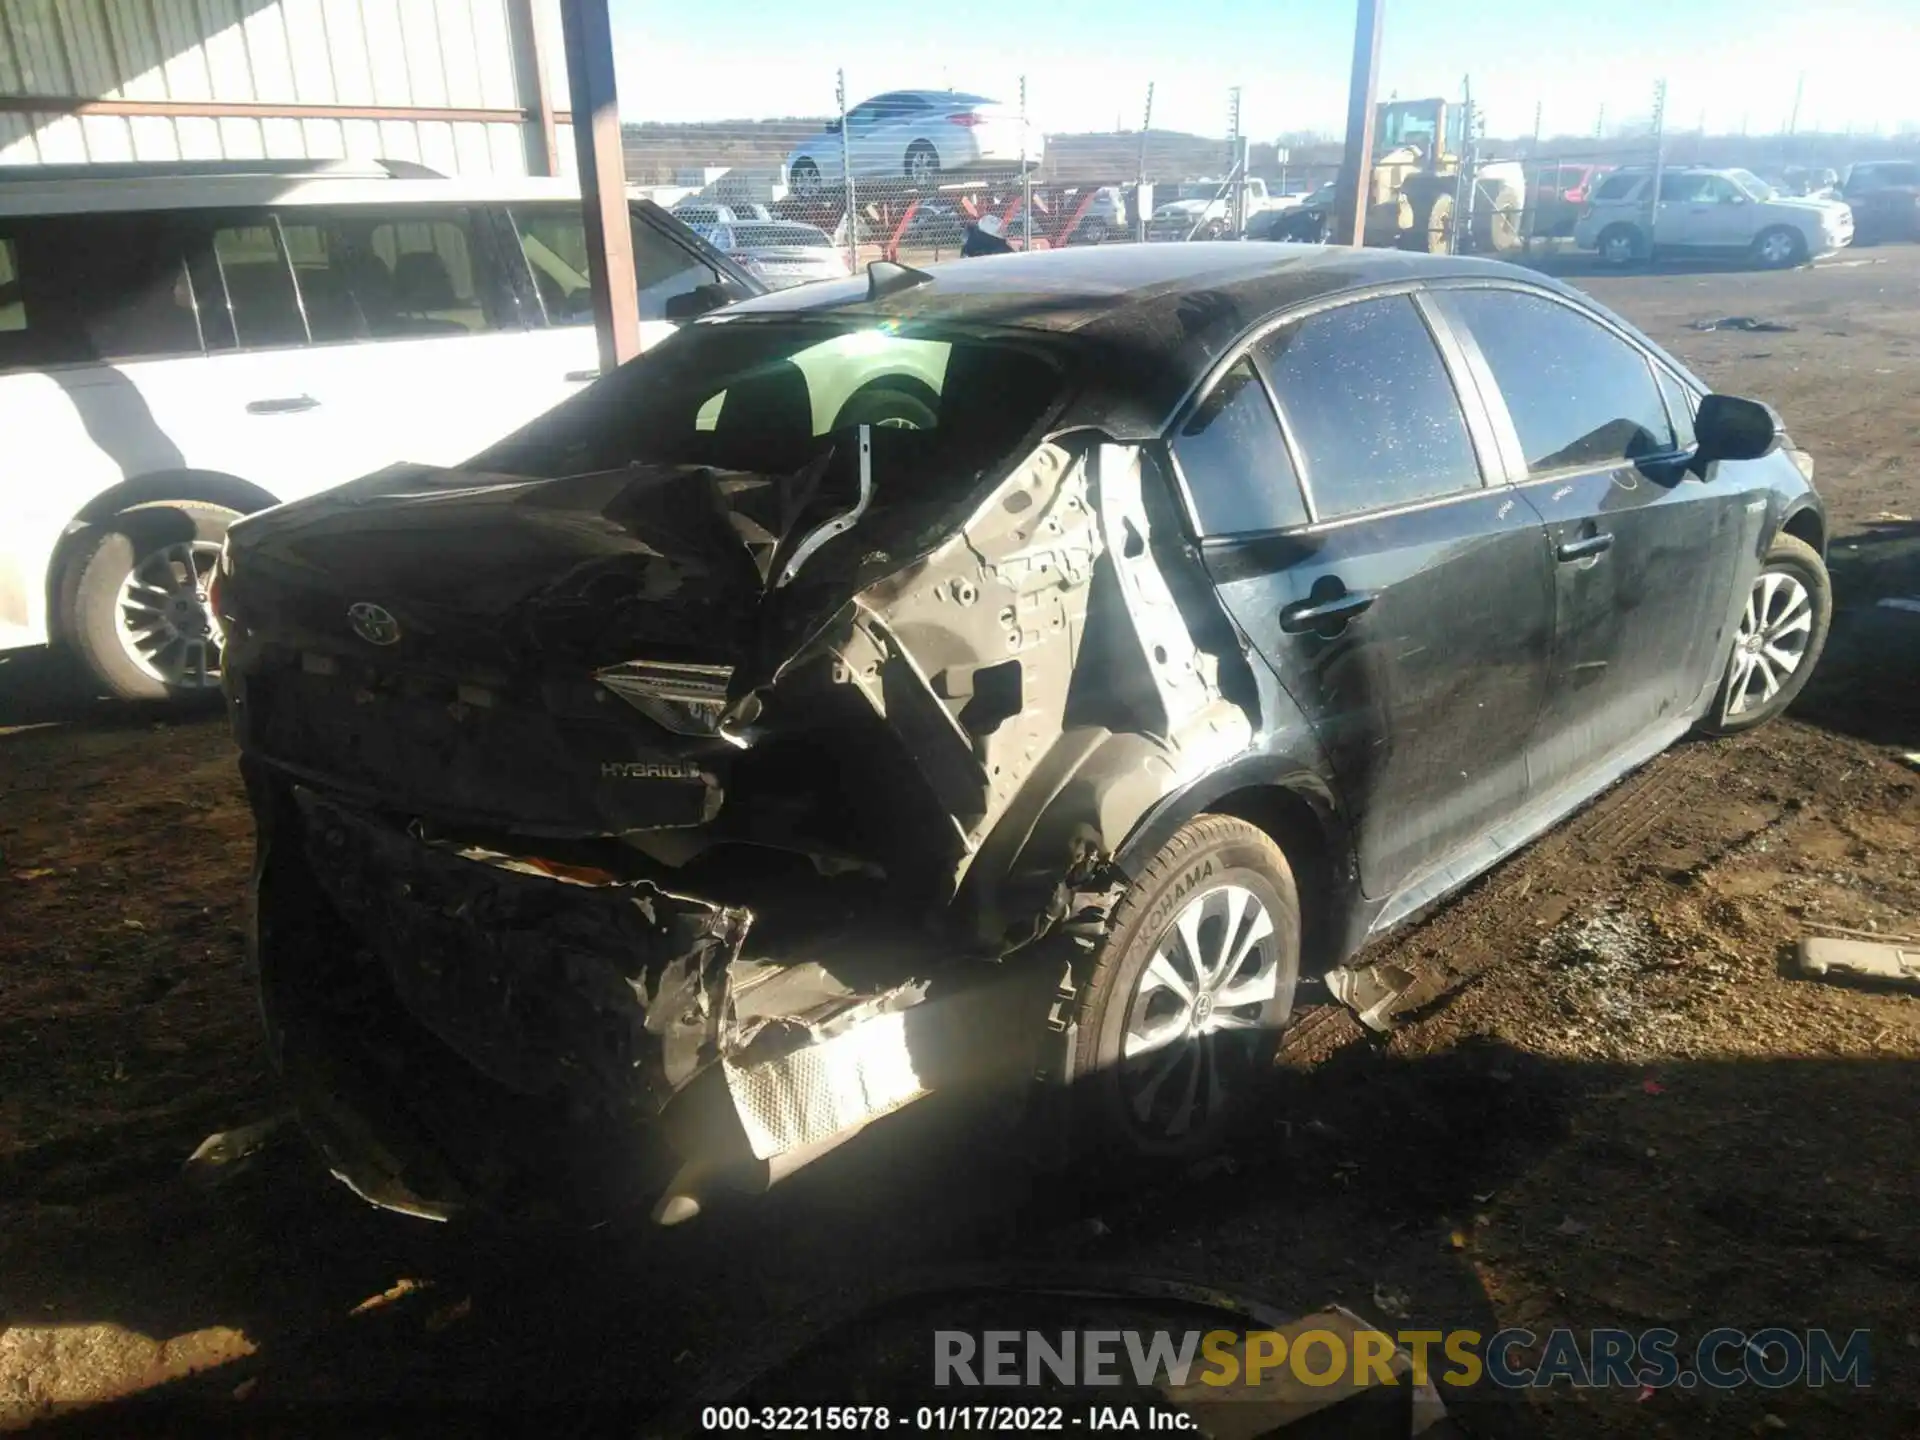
point(463, 86)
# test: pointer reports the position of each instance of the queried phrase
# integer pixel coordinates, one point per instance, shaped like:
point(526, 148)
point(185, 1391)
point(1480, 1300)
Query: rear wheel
point(1196, 979)
point(134, 601)
point(1433, 227)
point(1778, 641)
point(1501, 229)
point(1618, 245)
point(1779, 247)
point(923, 165)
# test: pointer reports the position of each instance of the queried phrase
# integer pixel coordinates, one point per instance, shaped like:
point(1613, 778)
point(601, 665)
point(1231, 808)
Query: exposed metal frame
point(267, 110)
point(603, 179)
point(530, 81)
point(1356, 166)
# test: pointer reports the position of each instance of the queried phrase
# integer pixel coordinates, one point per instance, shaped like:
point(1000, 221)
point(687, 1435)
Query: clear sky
point(1087, 62)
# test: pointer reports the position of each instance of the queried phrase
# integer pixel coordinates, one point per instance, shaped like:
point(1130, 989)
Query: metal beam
point(603, 179)
point(257, 110)
point(1356, 166)
point(531, 89)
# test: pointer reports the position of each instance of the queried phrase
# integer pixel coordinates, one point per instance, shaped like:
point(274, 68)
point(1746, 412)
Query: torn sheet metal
point(1370, 991)
point(616, 992)
point(1895, 964)
point(970, 654)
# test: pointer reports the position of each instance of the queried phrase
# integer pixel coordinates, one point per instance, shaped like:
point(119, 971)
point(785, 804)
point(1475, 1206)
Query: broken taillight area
point(680, 696)
point(597, 1010)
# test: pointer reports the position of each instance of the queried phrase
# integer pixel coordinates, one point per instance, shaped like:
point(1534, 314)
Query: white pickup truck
point(1203, 208)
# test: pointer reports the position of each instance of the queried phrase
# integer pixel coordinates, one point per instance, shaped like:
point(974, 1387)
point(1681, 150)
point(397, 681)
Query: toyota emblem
point(373, 623)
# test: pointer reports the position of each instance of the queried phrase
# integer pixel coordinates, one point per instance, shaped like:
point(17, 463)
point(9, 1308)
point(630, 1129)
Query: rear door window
point(1370, 406)
point(359, 274)
point(1234, 460)
point(253, 280)
point(1580, 396)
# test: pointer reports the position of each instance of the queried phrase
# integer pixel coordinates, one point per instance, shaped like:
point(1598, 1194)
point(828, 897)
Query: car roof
point(1150, 319)
point(68, 194)
point(937, 97)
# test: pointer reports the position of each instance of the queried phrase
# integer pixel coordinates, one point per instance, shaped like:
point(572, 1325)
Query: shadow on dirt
point(41, 687)
point(1409, 1190)
point(1567, 263)
point(1868, 681)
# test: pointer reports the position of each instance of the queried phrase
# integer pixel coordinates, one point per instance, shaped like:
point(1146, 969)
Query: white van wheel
point(135, 601)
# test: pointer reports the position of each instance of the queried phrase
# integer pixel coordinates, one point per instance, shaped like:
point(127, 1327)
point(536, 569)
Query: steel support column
point(1356, 166)
point(603, 178)
point(530, 81)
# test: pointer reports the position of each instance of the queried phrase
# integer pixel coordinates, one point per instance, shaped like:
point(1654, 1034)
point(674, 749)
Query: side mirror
point(1730, 428)
point(701, 300)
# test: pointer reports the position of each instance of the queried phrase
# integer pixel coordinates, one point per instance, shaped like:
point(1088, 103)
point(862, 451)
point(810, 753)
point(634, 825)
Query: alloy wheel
point(1776, 248)
point(1617, 249)
point(1195, 1018)
point(1771, 643)
point(163, 619)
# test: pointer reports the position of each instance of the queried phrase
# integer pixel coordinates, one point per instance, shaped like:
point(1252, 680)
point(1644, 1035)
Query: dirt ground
point(1612, 1103)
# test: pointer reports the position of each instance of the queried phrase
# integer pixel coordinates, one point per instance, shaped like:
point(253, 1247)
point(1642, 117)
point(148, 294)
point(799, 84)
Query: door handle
point(581, 377)
point(282, 405)
point(1586, 547)
point(1314, 614)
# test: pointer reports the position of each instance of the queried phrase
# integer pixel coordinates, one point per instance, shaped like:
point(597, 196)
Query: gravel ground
point(1609, 1102)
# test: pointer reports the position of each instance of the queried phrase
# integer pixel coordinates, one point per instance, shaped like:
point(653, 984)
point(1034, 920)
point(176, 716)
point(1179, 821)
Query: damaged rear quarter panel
point(1045, 678)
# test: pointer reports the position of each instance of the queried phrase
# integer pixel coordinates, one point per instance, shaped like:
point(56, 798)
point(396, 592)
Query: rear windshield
point(779, 235)
point(772, 397)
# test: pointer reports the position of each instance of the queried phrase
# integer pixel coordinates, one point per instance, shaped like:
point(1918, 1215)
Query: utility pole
point(1236, 169)
point(1600, 121)
point(1799, 93)
point(1659, 162)
point(1026, 176)
point(1142, 196)
point(1356, 166)
point(1529, 206)
point(1463, 180)
point(846, 171)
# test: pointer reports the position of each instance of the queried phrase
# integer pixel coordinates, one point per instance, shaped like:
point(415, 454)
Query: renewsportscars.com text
point(1513, 1359)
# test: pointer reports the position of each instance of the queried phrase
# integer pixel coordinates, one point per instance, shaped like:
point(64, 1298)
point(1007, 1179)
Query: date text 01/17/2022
point(943, 1419)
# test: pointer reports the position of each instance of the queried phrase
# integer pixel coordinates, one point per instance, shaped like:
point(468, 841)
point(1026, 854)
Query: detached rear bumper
point(464, 1032)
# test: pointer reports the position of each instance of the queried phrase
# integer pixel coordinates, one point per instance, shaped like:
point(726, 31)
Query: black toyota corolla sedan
point(1024, 671)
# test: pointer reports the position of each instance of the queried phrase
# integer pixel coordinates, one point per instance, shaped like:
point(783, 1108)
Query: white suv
point(1706, 211)
point(181, 347)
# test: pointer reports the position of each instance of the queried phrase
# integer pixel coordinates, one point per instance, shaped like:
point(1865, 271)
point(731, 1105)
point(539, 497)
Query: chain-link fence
point(923, 175)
